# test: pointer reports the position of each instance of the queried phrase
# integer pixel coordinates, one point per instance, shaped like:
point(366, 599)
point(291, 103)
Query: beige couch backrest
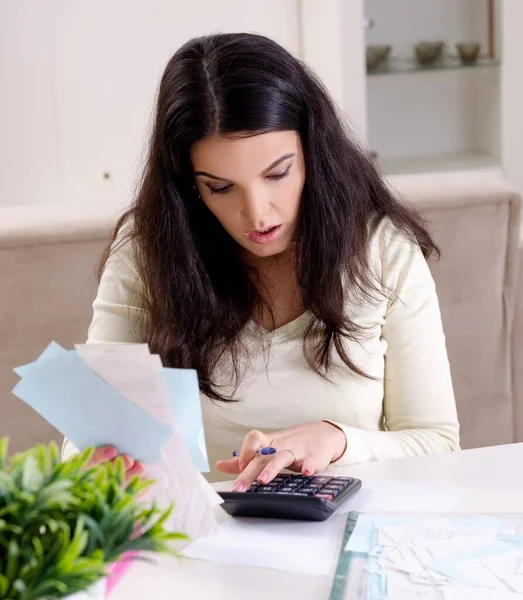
point(517, 349)
point(48, 256)
point(475, 219)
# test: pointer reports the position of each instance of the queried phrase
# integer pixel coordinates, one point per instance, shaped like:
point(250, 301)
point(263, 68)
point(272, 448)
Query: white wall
point(333, 44)
point(78, 79)
point(419, 114)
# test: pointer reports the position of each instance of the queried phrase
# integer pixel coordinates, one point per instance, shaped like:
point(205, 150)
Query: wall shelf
point(398, 65)
point(462, 161)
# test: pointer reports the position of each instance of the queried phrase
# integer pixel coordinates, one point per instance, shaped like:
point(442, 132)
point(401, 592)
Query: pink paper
point(118, 569)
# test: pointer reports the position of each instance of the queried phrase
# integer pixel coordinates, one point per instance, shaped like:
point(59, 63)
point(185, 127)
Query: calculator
point(292, 497)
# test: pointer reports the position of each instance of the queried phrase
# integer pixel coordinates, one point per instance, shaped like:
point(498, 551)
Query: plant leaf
point(4, 585)
point(32, 477)
point(4, 448)
point(61, 524)
point(13, 560)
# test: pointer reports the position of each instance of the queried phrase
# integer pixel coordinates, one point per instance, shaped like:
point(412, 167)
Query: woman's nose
point(255, 209)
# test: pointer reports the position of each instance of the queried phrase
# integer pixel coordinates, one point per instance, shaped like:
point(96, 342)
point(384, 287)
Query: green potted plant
point(62, 524)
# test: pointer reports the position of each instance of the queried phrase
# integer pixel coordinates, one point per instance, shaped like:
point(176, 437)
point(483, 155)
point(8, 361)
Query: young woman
point(264, 250)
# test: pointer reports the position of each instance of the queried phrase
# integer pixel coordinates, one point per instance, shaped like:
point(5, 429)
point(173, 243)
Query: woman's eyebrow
point(269, 168)
point(277, 162)
point(210, 175)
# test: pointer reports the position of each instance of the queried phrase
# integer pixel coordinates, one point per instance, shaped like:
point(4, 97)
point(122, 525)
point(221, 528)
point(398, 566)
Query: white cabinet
point(441, 116)
point(448, 117)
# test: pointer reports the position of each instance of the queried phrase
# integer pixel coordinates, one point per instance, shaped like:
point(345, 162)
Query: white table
point(495, 475)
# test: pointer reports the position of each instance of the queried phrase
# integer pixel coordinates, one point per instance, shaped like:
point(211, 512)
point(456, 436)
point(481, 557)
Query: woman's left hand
point(309, 448)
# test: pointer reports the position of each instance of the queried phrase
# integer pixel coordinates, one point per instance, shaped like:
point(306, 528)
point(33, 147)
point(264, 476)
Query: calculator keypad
point(318, 486)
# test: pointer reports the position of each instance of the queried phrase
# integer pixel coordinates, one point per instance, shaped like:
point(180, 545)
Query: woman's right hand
point(109, 453)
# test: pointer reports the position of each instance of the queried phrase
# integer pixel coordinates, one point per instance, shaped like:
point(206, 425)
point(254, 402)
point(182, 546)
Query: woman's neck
point(278, 285)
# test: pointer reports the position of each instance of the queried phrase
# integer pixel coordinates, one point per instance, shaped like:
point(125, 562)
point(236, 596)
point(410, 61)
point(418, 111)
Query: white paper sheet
point(293, 546)
point(382, 495)
point(134, 373)
point(479, 594)
point(138, 375)
point(506, 568)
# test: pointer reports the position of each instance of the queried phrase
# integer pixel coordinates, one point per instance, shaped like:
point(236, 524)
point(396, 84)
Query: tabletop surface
point(494, 474)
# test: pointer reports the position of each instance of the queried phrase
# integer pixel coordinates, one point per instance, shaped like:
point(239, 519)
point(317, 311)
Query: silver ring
point(294, 459)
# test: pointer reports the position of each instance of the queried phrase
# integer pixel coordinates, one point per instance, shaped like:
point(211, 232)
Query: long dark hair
point(199, 294)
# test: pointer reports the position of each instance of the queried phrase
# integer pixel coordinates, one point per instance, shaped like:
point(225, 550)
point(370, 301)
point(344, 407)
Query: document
point(120, 394)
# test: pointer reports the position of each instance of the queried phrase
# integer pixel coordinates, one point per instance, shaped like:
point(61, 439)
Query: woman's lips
point(265, 237)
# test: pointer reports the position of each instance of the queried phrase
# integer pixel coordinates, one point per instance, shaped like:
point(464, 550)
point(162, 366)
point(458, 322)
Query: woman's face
point(253, 186)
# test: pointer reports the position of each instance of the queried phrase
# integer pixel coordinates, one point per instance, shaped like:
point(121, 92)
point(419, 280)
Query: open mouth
point(266, 235)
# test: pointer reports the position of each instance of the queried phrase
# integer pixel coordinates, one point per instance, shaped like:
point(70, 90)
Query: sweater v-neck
point(293, 329)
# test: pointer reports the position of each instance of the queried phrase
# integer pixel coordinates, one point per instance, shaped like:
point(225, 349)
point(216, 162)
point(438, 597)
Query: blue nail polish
point(236, 453)
point(267, 450)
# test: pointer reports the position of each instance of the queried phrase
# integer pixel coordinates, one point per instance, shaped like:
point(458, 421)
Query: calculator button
point(287, 488)
point(342, 481)
point(337, 486)
point(330, 490)
point(309, 490)
point(282, 493)
point(321, 480)
point(266, 491)
point(300, 493)
point(325, 496)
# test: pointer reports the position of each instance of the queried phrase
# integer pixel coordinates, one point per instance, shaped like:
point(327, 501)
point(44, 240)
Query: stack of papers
point(119, 394)
point(437, 557)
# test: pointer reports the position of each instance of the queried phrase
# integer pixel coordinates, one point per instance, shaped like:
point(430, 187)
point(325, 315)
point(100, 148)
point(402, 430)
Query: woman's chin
point(267, 250)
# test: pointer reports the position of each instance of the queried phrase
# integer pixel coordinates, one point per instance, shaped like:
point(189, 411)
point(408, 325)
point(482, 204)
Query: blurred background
point(433, 88)
point(79, 79)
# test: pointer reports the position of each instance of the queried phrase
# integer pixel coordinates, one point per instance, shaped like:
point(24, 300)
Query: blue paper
point(514, 540)
point(450, 566)
point(87, 410)
point(184, 394)
point(24, 369)
point(364, 537)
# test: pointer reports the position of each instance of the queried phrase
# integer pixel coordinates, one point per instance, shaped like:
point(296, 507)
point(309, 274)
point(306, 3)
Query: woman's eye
point(225, 188)
point(280, 175)
point(219, 190)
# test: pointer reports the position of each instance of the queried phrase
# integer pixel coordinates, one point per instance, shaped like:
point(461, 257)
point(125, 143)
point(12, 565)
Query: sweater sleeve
point(119, 304)
point(419, 410)
point(117, 308)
